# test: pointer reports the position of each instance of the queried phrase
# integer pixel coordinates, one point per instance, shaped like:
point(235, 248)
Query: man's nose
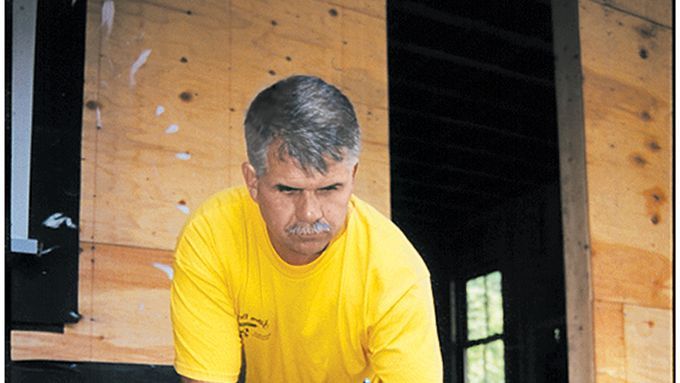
point(309, 208)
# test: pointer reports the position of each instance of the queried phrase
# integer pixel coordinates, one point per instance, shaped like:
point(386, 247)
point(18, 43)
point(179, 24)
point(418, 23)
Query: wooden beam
point(460, 60)
point(470, 125)
point(571, 132)
point(458, 170)
point(441, 187)
point(509, 106)
point(449, 146)
point(509, 37)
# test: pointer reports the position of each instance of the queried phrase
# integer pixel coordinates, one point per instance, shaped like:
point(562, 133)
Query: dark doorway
point(475, 180)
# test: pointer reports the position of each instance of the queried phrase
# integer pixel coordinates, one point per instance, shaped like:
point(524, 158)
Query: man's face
point(303, 211)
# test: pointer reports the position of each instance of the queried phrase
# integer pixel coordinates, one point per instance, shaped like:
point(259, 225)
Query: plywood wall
point(167, 84)
point(626, 55)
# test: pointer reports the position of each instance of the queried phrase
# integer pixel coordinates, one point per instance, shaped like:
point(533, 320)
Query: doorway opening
point(475, 180)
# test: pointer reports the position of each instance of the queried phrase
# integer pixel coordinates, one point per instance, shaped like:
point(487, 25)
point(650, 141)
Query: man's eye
point(329, 188)
point(286, 189)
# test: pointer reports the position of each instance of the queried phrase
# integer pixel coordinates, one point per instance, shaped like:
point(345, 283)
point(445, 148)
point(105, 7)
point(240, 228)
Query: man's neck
point(299, 260)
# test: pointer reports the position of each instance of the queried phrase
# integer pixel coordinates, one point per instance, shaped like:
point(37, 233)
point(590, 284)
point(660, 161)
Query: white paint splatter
point(57, 219)
point(183, 208)
point(141, 307)
point(48, 250)
point(108, 11)
point(167, 269)
point(174, 128)
point(159, 110)
point(141, 60)
point(184, 156)
point(98, 113)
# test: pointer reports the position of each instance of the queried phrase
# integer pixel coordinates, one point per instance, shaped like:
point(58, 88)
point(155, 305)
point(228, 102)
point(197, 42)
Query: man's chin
point(311, 245)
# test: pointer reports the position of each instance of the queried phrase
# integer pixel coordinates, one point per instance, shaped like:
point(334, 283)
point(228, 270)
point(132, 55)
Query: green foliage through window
point(485, 359)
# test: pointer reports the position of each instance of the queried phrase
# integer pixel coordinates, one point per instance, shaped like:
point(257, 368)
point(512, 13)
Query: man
point(305, 280)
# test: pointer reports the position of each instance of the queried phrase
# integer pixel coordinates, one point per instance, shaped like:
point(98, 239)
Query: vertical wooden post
point(573, 180)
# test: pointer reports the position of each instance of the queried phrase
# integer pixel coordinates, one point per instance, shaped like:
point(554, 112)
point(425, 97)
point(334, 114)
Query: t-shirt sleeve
point(205, 327)
point(403, 343)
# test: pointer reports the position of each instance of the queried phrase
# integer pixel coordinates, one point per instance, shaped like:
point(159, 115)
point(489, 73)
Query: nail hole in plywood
point(643, 53)
point(638, 160)
point(92, 105)
point(185, 96)
point(653, 146)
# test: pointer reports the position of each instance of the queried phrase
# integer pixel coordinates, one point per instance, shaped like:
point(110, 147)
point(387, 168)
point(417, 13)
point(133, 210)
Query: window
point(484, 346)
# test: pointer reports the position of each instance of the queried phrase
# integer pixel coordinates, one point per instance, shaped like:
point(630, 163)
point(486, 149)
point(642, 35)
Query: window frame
point(459, 327)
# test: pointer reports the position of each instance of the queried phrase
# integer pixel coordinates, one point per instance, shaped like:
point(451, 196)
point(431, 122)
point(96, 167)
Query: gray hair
point(308, 118)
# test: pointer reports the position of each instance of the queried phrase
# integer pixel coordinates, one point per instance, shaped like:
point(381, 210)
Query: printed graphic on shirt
point(253, 326)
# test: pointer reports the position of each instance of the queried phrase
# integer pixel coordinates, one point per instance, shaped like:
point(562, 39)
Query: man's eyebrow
point(332, 186)
point(282, 187)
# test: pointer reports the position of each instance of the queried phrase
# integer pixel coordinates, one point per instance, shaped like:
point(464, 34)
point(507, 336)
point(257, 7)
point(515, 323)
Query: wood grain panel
point(627, 274)
point(658, 11)
point(364, 80)
point(649, 353)
point(140, 181)
point(610, 355)
point(376, 9)
point(90, 111)
point(626, 48)
point(364, 59)
point(75, 344)
point(373, 177)
point(629, 156)
point(131, 309)
point(627, 105)
point(373, 123)
point(124, 300)
point(628, 151)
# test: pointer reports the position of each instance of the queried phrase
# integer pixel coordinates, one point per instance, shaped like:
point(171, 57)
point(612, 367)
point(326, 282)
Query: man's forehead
point(288, 172)
point(292, 166)
point(277, 157)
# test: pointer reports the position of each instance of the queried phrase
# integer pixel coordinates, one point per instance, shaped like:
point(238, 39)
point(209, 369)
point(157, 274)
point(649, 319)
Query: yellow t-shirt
point(363, 309)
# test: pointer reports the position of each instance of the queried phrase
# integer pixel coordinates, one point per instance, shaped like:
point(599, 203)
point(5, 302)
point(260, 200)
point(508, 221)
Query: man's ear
point(250, 178)
point(354, 171)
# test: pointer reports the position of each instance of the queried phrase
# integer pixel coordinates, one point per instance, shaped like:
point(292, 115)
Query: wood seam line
point(629, 13)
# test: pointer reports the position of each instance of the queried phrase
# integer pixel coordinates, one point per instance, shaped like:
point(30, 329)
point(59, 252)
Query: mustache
point(317, 227)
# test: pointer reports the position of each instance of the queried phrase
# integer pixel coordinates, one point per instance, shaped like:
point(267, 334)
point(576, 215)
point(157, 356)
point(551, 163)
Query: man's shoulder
point(390, 251)
point(227, 202)
point(223, 212)
point(215, 232)
point(370, 217)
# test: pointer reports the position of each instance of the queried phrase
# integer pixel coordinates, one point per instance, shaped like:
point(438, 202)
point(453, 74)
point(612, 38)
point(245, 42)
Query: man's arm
point(403, 344)
point(205, 328)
